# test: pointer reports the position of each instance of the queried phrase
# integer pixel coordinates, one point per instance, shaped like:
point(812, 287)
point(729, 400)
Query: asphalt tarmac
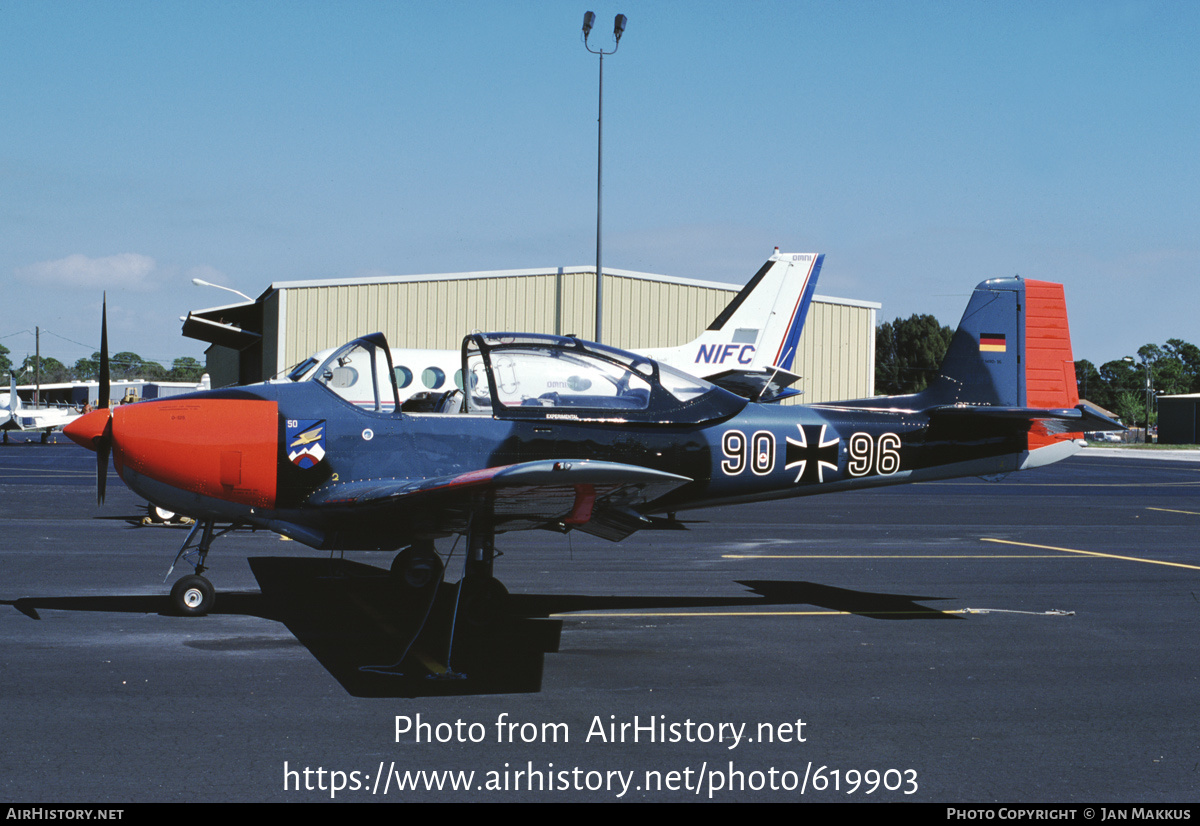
point(1030, 640)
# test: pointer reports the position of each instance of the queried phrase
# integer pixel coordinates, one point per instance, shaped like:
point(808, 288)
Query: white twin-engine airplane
point(745, 349)
point(15, 416)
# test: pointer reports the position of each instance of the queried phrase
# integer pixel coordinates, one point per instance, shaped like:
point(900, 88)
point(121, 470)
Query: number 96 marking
point(870, 455)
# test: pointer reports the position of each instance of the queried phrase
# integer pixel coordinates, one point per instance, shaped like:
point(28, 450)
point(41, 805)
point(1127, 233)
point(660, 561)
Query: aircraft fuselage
point(758, 452)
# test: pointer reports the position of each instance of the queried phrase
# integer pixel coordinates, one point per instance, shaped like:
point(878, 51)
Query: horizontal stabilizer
point(1095, 419)
point(1083, 416)
point(766, 385)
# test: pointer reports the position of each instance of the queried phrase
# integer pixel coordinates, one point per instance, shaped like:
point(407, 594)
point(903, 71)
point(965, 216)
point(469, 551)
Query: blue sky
point(924, 146)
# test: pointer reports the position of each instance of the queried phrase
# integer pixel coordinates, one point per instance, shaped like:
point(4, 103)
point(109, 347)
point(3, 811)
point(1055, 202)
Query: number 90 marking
point(760, 447)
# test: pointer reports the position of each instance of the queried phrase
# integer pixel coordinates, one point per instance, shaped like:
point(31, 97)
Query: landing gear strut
point(193, 595)
point(481, 596)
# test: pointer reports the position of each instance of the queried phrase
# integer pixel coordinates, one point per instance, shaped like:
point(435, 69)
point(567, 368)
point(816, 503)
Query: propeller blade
point(103, 448)
point(103, 377)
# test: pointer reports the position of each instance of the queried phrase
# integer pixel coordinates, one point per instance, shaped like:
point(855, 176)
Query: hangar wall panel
point(835, 354)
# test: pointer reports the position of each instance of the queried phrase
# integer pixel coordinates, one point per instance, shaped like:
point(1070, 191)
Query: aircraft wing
point(600, 498)
point(50, 418)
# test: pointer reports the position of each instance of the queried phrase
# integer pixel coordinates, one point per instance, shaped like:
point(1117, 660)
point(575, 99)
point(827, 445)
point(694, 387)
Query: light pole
point(201, 283)
point(589, 20)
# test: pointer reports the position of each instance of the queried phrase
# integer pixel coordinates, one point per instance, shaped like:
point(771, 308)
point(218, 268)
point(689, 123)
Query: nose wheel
point(193, 596)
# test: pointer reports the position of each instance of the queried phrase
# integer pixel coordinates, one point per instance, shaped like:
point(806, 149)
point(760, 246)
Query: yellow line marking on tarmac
point(1092, 553)
point(892, 556)
point(429, 662)
point(1170, 510)
point(758, 613)
point(925, 613)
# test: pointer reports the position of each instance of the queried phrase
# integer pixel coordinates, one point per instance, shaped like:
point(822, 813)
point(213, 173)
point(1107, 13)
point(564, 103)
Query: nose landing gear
point(193, 595)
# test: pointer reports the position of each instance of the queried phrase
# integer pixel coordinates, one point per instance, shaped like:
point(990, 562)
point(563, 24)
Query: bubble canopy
point(526, 375)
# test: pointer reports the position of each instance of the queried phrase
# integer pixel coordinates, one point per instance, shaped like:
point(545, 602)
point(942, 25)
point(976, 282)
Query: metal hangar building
point(291, 320)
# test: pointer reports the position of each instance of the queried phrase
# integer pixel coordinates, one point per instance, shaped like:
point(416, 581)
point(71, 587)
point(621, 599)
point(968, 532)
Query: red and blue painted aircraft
point(562, 434)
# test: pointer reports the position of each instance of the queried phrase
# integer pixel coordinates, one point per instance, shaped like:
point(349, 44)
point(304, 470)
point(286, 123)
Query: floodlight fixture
point(199, 282)
point(619, 23)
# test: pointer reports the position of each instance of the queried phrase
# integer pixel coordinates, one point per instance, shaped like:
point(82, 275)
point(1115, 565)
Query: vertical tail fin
point(14, 400)
point(1007, 383)
point(760, 328)
point(1012, 349)
point(1011, 357)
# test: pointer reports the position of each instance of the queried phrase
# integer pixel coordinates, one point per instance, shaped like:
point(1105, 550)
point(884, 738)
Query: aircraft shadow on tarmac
point(365, 627)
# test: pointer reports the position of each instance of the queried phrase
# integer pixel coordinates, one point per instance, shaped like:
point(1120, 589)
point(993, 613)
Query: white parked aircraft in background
point(16, 416)
point(745, 348)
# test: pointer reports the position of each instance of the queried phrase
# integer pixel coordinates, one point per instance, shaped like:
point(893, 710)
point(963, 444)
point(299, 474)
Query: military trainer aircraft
point(562, 434)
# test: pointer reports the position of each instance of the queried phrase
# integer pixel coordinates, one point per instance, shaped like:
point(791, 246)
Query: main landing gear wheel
point(193, 596)
point(482, 600)
point(418, 566)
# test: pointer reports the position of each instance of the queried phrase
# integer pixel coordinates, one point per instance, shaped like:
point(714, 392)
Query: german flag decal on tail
point(992, 343)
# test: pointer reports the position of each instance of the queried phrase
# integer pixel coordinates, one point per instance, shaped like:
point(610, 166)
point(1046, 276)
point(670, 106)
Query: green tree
point(1092, 386)
point(186, 368)
point(1128, 407)
point(908, 353)
point(88, 369)
point(1188, 355)
point(48, 369)
point(153, 371)
point(125, 365)
point(5, 363)
point(1172, 368)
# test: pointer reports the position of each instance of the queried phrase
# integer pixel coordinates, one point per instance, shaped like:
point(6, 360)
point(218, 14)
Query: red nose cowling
point(222, 448)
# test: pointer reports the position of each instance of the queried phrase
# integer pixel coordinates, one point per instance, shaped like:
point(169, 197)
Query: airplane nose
point(85, 430)
point(217, 447)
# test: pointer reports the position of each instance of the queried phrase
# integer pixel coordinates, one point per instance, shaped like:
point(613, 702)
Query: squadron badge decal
point(306, 442)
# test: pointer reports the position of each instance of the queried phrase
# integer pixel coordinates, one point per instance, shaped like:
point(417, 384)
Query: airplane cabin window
point(301, 370)
point(361, 373)
point(433, 377)
point(531, 376)
point(538, 377)
point(350, 376)
point(342, 377)
point(404, 376)
point(681, 385)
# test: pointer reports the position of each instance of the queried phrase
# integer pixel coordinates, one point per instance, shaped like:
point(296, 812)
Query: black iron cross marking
point(812, 454)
